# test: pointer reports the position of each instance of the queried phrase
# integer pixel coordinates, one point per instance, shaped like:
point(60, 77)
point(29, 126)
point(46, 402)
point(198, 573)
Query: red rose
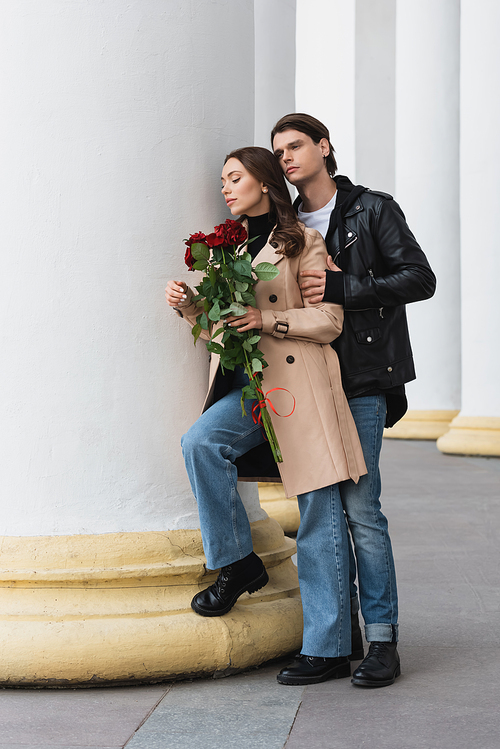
point(235, 232)
point(193, 239)
point(198, 237)
point(231, 232)
point(215, 240)
point(189, 259)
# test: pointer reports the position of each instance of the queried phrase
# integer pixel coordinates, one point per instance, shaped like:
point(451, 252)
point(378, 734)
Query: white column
point(115, 126)
point(325, 88)
point(477, 428)
point(274, 65)
point(427, 188)
point(116, 120)
point(375, 93)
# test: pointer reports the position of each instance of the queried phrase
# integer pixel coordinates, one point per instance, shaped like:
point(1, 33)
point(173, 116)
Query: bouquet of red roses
point(227, 285)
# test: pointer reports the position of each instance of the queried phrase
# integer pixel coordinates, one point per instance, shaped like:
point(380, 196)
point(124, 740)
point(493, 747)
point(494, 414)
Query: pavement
point(444, 514)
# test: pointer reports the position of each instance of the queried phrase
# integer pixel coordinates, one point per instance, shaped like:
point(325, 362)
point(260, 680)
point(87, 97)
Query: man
point(375, 267)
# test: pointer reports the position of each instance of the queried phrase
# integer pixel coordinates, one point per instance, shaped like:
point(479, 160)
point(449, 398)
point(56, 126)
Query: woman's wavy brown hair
point(263, 165)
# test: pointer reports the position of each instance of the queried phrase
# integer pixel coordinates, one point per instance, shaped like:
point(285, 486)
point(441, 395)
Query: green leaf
point(200, 251)
point(214, 313)
point(218, 332)
point(200, 265)
point(212, 275)
point(206, 287)
point(243, 267)
point(225, 312)
point(249, 391)
point(215, 348)
point(237, 309)
point(247, 346)
point(238, 296)
point(249, 298)
point(256, 365)
point(254, 339)
point(240, 286)
point(196, 330)
point(266, 271)
point(204, 321)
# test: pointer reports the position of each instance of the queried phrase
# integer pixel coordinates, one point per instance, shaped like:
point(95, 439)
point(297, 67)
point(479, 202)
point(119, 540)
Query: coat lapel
point(267, 254)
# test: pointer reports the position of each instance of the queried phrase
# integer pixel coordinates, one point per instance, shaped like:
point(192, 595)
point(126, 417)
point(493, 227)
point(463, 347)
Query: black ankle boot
point(248, 574)
point(380, 668)
point(357, 648)
point(308, 669)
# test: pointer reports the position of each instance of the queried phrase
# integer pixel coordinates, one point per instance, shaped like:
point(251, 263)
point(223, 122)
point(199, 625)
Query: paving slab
point(245, 711)
point(101, 718)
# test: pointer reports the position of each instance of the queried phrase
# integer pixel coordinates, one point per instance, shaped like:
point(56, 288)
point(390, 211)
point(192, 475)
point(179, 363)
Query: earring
point(264, 189)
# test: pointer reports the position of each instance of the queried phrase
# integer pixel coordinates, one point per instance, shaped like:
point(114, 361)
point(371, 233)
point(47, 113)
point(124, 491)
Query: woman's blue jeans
point(369, 528)
point(210, 448)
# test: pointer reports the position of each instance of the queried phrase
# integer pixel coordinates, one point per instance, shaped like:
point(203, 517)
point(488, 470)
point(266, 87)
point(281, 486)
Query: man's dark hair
point(310, 126)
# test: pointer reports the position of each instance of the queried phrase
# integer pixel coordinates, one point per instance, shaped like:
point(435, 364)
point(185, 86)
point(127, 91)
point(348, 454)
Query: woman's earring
point(264, 189)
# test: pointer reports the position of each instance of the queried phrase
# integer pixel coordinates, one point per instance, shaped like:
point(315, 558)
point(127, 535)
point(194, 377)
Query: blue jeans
point(369, 528)
point(210, 448)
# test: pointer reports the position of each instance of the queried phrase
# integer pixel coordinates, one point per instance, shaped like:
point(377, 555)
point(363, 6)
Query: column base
point(285, 511)
point(472, 435)
point(115, 608)
point(421, 425)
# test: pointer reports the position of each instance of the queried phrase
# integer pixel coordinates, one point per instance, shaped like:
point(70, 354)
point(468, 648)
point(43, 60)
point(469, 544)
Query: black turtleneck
point(260, 227)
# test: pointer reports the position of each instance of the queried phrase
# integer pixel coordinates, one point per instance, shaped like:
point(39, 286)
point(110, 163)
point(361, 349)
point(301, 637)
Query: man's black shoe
point(248, 574)
point(307, 669)
point(380, 668)
point(358, 652)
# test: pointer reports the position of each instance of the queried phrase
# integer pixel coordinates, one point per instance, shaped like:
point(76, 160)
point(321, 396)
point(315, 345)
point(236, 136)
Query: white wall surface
point(116, 119)
point(274, 65)
point(325, 86)
point(480, 204)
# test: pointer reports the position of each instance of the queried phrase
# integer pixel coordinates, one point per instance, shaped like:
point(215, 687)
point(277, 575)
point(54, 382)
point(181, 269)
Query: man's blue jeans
point(210, 448)
point(368, 526)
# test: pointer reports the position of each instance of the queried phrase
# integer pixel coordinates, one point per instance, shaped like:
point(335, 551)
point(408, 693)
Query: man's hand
point(315, 288)
point(251, 321)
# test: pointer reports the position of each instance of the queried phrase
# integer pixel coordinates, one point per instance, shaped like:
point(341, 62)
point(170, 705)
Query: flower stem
point(264, 413)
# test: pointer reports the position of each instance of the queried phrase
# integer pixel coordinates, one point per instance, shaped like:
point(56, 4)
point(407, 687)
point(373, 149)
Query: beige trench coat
point(319, 442)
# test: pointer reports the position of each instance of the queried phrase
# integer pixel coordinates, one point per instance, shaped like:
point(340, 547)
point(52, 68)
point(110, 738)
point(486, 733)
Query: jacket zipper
point(381, 309)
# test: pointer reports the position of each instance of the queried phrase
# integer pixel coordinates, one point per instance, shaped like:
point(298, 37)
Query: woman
point(318, 441)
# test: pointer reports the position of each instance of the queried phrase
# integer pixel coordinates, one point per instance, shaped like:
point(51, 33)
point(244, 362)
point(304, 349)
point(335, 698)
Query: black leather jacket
point(383, 268)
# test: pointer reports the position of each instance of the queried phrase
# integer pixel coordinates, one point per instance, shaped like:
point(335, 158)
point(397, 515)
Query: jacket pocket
point(369, 336)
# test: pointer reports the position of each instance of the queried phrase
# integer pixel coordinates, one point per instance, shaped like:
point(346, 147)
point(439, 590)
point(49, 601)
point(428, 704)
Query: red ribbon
point(267, 402)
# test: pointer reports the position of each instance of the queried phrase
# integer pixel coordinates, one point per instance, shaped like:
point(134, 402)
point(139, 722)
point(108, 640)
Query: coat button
point(369, 339)
point(273, 298)
point(349, 234)
point(389, 369)
point(273, 244)
point(290, 359)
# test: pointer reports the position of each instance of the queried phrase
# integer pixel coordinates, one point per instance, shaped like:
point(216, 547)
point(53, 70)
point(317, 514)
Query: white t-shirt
point(319, 219)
